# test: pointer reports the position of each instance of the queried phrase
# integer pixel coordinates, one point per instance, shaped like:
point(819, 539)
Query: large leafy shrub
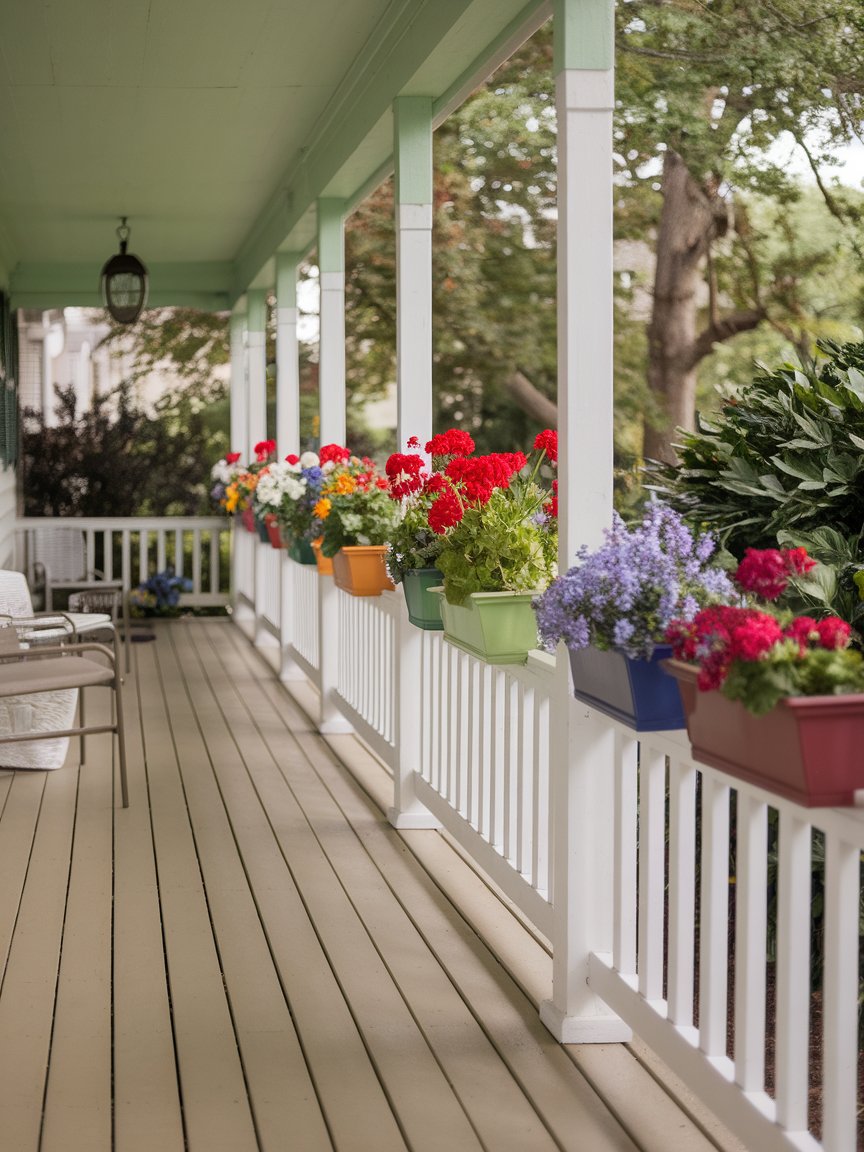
point(785, 456)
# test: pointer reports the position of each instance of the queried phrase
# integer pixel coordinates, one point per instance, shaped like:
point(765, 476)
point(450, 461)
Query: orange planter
point(324, 563)
point(360, 569)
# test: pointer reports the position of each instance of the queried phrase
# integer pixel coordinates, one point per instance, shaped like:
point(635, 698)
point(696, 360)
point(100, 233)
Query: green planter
point(424, 609)
point(499, 627)
point(301, 551)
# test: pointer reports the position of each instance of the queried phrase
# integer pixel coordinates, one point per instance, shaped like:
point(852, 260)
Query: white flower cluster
point(224, 473)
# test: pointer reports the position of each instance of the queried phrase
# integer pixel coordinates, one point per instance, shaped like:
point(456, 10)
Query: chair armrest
point(57, 650)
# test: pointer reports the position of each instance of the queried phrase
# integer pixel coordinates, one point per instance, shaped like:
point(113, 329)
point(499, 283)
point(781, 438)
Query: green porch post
point(257, 367)
point(331, 264)
point(582, 750)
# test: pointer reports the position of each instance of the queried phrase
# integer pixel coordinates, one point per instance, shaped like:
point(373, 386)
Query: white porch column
point(331, 265)
point(331, 382)
point(582, 750)
point(287, 356)
point(412, 117)
point(287, 429)
point(412, 148)
point(239, 395)
point(239, 431)
point(256, 348)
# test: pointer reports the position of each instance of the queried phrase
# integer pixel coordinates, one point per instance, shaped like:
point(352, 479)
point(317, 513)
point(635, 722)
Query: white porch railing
point(132, 548)
point(485, 765)
point(470, 748)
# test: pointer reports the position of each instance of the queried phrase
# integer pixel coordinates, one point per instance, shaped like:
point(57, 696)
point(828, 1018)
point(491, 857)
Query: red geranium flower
point(547, 441)
point(444, 512)
point(292, 459)
point(405, 472)
point(833, 632)
point(453, 442)
point(232, 457)
point(333, 453)
point(263, 449)
point(413, 442)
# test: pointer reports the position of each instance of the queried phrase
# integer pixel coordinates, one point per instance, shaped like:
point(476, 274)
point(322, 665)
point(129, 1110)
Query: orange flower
point(322, 508)
point(343, 485)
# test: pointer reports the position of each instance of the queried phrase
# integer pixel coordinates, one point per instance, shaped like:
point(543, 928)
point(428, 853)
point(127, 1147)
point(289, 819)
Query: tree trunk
point(688, 224)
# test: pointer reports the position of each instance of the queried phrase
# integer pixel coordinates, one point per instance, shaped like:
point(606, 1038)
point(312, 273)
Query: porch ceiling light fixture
point(124, 281)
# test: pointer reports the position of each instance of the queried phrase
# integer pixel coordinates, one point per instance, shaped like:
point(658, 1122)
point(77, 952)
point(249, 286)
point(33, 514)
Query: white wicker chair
point(45, 712)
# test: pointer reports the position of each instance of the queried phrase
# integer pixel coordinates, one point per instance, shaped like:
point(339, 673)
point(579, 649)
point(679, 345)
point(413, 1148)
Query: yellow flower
point(344, 485)
point(322, 508)
point(232, 497)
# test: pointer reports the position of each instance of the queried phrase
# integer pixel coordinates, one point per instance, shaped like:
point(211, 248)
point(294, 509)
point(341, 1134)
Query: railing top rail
point(118, 523)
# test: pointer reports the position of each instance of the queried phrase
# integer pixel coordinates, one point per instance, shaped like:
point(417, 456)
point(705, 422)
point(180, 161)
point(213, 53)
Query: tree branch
point(724, 329)
point(531, 400)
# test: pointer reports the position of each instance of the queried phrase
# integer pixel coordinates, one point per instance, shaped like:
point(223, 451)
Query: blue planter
point(637, 692)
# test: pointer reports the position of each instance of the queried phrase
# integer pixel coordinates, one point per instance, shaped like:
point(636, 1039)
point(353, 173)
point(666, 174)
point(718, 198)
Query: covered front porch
point(251, 957)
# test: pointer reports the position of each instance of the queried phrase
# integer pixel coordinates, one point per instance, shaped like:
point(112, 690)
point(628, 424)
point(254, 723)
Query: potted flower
point(414, 545)
point(159, 595)
point(770, 697)
point(612, 610)
point(499, 529)
point(241, 487)
point(358, 517)
point(301, 491)
point(223, 473)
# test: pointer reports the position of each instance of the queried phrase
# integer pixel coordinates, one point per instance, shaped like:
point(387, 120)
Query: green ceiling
point(212, 124)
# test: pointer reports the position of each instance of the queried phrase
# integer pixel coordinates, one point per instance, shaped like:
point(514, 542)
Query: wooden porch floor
point(250, 957)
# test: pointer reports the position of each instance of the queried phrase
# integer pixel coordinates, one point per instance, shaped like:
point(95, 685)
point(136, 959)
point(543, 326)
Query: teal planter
point(499, 627)
point(301, 552)
point(424, 609)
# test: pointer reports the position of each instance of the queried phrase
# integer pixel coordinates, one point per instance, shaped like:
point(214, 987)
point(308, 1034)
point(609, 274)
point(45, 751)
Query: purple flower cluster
point(625, 594)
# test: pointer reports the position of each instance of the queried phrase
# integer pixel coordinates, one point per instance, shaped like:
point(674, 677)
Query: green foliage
point(784, 457)
point(115, 459)
point(359, 517)
point(499, 546)
point(413, 544)
point(761, 684)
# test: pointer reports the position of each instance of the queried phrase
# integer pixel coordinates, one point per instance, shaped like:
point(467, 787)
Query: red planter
point(807, 749)
point(247, 519)
point(273, 530)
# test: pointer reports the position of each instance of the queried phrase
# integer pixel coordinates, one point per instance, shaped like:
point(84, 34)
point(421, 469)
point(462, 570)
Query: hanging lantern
point(124, 282)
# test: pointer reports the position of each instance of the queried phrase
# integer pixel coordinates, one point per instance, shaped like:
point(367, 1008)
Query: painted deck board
point(249, 958)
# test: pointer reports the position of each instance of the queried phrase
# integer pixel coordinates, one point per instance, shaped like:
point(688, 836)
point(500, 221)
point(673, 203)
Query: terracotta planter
point(807, 749)
point(247, 519)
point(637, 692)
point(424, 607)
point(324, 563)
point(300, 550)
point(499, 627)
point(361, 570)
point(273, 532)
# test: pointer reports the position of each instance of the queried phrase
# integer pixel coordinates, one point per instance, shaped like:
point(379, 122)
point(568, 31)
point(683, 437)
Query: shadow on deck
point(250, 957)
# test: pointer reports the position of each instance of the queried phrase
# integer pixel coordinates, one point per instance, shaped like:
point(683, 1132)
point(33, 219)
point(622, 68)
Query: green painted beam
point(413, 159)
point(201, 285)
point(287, 264)
point(256, 310)
point(331, 235)
point(584, 34)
